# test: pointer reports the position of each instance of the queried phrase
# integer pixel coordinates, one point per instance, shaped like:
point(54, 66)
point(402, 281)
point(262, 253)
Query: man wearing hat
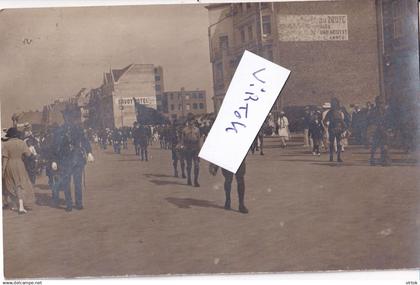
point(71, 150)
point(190, 139)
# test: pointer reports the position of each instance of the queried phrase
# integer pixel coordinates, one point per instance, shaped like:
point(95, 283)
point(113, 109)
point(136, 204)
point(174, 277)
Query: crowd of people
point(63, 151)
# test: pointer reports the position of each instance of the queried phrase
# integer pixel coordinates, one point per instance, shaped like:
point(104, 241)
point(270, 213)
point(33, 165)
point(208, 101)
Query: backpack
point(191, 136)
point(337, 123)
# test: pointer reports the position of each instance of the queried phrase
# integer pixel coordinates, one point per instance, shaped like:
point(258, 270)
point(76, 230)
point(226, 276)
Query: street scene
point(100, 168)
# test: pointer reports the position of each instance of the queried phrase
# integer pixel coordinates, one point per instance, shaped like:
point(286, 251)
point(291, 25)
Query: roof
point(117, 73)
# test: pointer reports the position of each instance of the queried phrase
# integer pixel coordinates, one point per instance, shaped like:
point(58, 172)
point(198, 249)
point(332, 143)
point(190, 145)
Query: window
point(179, 107)
point(188, 107)
point(218, 74)
point(201, 106)
point(242, 31)
point(194, 95)
point(187, 97)
point(248, 6)
point(179, 96)
point(201, 95)
point(157, 87)
point(264, 5)
point(195, 106)
point(223, 42)
point(171, 96)
point(172, 107)
point(250, 33)
point(398, 14)
point(157, 77)
point(266, 21)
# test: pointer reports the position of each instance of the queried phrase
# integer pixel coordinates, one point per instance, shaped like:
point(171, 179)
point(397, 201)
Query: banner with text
point(312, 28)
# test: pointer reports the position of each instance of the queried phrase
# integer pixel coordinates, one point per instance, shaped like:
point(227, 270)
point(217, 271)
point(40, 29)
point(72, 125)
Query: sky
point(51, 53)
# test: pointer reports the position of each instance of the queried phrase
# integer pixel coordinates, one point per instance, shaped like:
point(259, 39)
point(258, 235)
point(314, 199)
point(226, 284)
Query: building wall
point(137, 82)
point(400, 52)
point(320, 69)
point(159, 87)
point(180, 103)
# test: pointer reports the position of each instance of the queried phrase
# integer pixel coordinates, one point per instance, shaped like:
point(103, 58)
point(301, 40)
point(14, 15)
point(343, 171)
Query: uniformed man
point(71, 151)
point(379, 121)
point(240, 181)
point(177, 149)
point(143, 141)
point(117, 140)
point(190, 140)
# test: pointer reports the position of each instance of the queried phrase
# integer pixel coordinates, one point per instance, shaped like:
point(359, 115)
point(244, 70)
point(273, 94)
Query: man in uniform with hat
point(71, 151)
point(190, 140)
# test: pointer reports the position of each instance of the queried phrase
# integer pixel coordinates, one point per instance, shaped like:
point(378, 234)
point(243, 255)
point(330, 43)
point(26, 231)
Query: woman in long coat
point(15, 176)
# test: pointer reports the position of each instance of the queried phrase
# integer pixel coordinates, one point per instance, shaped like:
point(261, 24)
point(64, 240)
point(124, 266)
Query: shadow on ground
point(186, 203)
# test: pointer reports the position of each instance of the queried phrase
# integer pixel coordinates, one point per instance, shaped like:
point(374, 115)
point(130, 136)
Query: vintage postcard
point(104, 111)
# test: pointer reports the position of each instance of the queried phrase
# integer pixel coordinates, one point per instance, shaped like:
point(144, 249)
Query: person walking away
point(283, 124)
point(380, 123)
point(116, 140)
point(334, 119)
point(16, 181)
point(316, 130)
point(190, 139)
point(143, 141)
point(177, 150)
point(240, 181)
point(72, 150)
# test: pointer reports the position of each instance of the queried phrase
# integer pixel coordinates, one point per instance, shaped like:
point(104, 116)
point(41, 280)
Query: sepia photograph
point(124, 154)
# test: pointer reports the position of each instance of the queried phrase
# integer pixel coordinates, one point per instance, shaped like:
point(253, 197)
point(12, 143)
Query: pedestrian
point(72, 150)
point(240, 181)
point(380, 122)
point(334, 119)
point(190, 139)
point(136, 137)
point(306, 123)
point(31, 162)
point(284, 132)
point(116, 140)
point(325, 140)
point(16, 181)
point(143, 141)
point(178, 153)
point(316, 131)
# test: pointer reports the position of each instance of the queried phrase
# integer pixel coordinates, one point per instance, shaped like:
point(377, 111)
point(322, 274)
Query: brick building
point(179, 103)
point(351, 49)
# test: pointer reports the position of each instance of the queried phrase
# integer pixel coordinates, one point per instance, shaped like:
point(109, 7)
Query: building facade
point(333, 48)
point(122, 86)
point(179, 103)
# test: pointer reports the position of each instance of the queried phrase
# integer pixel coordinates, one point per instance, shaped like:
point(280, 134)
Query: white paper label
point(252, 92)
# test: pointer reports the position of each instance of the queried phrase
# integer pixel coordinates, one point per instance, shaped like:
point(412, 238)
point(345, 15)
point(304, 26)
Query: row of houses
point(113, 103)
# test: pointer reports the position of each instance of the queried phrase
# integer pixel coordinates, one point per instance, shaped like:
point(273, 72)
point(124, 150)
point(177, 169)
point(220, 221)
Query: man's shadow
point(45, 200)
point(187, 203)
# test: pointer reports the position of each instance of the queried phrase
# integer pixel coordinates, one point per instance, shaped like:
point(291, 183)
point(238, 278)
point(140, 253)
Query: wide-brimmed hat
point(326, 105)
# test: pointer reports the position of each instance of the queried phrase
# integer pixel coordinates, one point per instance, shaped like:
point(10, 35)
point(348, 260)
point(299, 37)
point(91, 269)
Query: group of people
point(62, 150)
point(332, 127)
